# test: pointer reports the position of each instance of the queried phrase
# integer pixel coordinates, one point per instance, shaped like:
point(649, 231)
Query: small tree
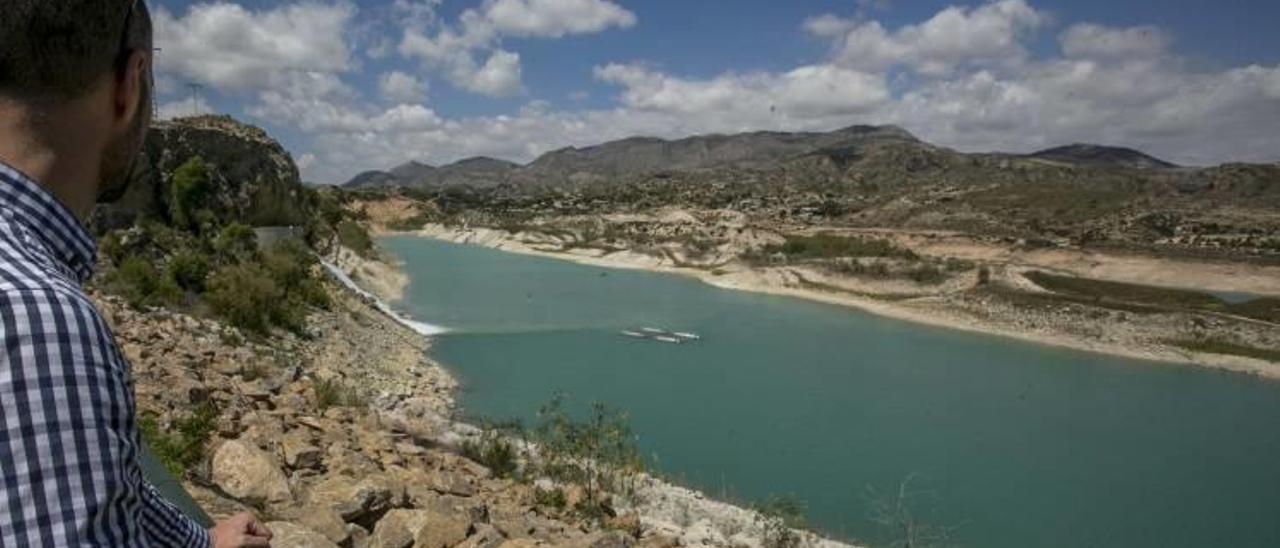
point(599, 453)
point(895, 513)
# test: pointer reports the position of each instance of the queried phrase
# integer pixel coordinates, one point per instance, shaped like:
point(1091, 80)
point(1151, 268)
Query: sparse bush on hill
point(142, 285)
point(495, 448)
point(336, 393)
point(189, 270)
point(189, 190)
point(830, 246)
point(235, 243)
point(182, 446)
point(354, 237)
point(780, 517)
point(246, 296)
point(596, 453)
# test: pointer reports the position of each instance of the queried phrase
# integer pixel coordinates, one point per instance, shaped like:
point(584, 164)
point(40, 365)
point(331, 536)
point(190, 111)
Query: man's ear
point(127, 102)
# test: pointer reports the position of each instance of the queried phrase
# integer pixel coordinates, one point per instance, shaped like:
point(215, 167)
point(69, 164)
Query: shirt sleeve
point(69, 445)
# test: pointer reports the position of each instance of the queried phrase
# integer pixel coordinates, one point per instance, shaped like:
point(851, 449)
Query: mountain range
point(761, 151)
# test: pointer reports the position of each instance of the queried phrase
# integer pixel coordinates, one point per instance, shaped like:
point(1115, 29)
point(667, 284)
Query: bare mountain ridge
point(758, 151)
point(479, 172)
point(1102, 156)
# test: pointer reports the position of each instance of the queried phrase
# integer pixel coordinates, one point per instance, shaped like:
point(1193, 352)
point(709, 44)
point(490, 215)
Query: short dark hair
point(56, 49)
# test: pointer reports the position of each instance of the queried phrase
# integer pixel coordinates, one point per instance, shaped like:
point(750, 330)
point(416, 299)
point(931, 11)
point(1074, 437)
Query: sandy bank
point(925, 311)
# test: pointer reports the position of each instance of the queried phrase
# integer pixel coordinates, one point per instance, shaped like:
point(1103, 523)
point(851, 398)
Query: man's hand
point(241, 531)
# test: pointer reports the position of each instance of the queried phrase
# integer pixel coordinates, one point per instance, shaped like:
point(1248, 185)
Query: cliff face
point(254, 179)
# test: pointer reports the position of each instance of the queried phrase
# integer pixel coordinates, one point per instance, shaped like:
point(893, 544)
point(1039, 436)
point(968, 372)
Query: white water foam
point(421, 328)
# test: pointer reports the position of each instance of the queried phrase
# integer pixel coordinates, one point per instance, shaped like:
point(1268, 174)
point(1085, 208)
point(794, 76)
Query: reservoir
point(1008, 444)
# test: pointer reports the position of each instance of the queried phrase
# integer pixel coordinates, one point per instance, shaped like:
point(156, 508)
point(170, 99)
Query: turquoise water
point(1235, 297)
point(1016, 444)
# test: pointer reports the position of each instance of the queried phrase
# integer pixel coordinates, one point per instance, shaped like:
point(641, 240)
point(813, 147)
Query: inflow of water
point(1010, 444)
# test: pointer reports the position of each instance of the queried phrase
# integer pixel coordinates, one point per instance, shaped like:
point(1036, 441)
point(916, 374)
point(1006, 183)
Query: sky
point(349, 86)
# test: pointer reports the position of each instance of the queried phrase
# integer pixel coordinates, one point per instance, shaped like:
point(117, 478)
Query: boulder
point(292, 535)
point(520, 543)
point(324, 521)
point(398, 528)
point(443, 530)
point(298, 451)
point(485, 536)
point(249, 474)
point(356, 500)
point(603, 540)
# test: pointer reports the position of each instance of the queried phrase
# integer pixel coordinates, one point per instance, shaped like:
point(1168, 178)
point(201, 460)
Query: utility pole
point(155, 105)
point(195, 93)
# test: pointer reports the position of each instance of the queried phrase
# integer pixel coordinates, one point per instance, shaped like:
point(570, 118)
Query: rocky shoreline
point(1104, 332)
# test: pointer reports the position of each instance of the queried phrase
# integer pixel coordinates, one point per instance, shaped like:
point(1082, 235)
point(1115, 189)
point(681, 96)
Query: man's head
point(81, 66)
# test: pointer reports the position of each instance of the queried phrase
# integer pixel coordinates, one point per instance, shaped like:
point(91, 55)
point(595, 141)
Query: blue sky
point(349, 86)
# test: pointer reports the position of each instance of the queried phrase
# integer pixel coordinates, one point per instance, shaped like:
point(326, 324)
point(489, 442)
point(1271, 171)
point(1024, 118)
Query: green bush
point(189, 269)
point(781, 516)
point(598, 453)
point(354, 237)
point(189, 191)
point(141, 285)
point(335, 393)
point(825, 246)
point(183, 446)
point(550, 498)
point(494, 450)
point(246, 296)
point(292, 267)
point(235, 243)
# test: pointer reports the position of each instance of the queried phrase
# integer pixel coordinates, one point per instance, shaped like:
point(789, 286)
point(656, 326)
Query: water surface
point(1016, 444)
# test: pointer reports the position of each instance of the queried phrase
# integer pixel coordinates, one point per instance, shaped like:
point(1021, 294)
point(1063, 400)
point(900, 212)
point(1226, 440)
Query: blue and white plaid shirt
point(69, 465)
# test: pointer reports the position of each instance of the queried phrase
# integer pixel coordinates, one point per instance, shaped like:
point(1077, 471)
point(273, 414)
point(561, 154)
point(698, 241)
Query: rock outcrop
point(255, 180)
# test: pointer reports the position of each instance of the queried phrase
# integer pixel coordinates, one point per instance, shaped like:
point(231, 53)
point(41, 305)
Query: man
point(75, 104)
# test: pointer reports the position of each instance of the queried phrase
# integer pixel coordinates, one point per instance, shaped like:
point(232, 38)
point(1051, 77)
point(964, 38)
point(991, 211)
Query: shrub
point(235, 243)
point(495, 450)
point(189, 191)
point(598, 453)
point(141, 285)
point(984, 275)
point(354, 237)
point(335, 393)
point(822, 246)
point(183, 446)
point(926, 274)
point(189, 269)
point(550, 498)
point(781, 516)
point(246, 297)
point(292, 265)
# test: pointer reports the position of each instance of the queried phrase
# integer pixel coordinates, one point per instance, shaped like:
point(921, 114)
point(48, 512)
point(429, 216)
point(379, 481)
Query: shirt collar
point(46, 217)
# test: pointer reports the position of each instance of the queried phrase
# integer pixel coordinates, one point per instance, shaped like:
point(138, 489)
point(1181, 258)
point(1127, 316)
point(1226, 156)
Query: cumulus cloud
point(455, 48)
point(499, 76)
point(1091, 41)
point(954, 37)
point(235, 49)
point(805, 93)
point(555, 18)
point(401, 87)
